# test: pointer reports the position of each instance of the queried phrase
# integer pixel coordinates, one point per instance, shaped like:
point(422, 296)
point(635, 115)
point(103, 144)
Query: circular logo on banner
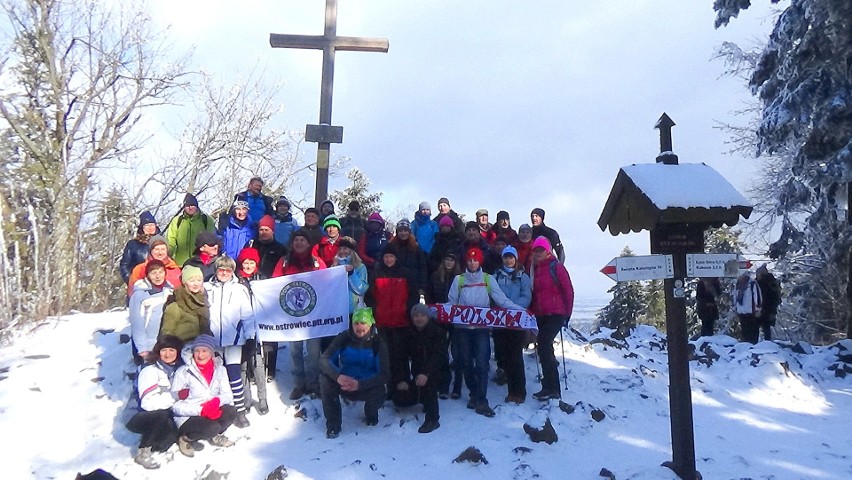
point(298, 298)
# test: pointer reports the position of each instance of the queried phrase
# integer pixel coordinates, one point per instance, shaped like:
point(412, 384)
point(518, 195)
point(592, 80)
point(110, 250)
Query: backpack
point(487, 278)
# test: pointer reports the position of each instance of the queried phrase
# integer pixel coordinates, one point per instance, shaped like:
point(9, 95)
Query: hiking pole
point(564, 368)
point(537, 364)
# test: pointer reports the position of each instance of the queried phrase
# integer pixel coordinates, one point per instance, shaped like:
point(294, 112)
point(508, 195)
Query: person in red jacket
point(326, 249)
point(552, 305)
point(391, 296)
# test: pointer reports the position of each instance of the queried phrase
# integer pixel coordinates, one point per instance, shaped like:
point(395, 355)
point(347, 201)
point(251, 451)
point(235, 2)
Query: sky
point(498, 105)
point(760, 411)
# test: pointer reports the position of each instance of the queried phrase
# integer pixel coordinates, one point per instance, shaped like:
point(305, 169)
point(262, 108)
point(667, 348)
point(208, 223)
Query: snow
point(761, 412)
point(686, 185)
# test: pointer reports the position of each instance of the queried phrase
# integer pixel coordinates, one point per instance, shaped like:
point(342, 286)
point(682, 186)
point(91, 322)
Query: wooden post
point(325, 134)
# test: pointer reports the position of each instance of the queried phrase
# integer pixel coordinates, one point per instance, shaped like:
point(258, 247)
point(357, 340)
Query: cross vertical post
point(325, 134)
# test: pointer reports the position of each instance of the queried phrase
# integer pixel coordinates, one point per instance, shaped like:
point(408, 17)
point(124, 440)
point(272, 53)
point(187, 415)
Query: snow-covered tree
point(627, 305)
point(803, 79)
point(358, 189)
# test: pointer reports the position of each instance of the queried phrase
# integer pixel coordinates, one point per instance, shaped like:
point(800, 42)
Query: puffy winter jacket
point(424, 230)
point(553, 293)
point(364, 359)
point(154, 387)
point(200, 392)
point(326, 249)
point(285, 225)
point(471, 288)
point(138, 273)
point(135, 252)
point(259, 206)
point(231, 315)
point(182, 231)
point(146, 313)
point(186, 315)
point(516, 285)
point(236, 236)
point(391, 296)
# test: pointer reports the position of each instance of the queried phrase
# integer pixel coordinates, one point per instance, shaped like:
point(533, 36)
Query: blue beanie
point(509, 250)
point(204, 341)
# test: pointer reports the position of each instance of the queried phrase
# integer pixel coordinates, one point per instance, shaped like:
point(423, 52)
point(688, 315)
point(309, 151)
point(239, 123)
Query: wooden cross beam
point(325, 134)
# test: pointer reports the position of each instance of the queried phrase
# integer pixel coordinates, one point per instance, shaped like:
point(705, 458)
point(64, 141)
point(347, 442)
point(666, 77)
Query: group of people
point(192, 320)
point(755, 301)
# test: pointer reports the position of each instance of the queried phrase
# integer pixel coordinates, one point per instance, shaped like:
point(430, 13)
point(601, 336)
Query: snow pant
point(270, 356)
point(157, 427)
point(233, 365)
point(305, 355)
point(766, 323)
point(201, 428)
point(548, 327)
point(708, 325)
point(253, 364)
point(750, 326)
point(427, 395)
point(510, 344)
point(474, 349)
point(373, 399)
point(448, 370)
point(399, 369)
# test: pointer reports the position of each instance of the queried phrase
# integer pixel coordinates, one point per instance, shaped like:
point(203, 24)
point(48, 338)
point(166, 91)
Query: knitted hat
point(329, 221)
point(475, 254)
point(419, 309)
point(538, 211)
point(354, 206)
point(248, 253)
point(510, 250)
point(502, 214)
point(523, 227)
point(266, 221)
point(347, 242)
point(481, 212)
point(206, 238)
point(424, 206)
point(153, 264)
point(167, 341)
point(542, 242)
point(363, 315)
point(300, 233)
point(282, 200)
point(156, 240)
point(240, 204)
point(145, 218)
point(443, 200)
point(375, 217)
point(471, 225)
point(392, 249)
point(403, 224)
point(451, 255)
point(189, 200)
point(204, 341)
point(189, 272)
point(446, 221)
point(312, 210)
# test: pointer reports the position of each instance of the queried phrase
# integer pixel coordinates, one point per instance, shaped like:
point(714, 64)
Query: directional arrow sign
point(715, 264)
point(642, 267)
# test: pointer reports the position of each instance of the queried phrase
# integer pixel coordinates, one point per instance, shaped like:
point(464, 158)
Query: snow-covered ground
point(761, 412)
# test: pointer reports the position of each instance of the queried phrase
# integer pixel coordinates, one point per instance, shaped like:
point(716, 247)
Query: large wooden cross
point(325, 134)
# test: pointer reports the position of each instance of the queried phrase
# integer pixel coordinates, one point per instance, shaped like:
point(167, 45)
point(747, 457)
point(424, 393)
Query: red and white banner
point(468, 316)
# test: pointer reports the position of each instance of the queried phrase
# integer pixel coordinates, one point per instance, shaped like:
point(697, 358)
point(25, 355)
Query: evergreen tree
point(627, 304)
point(358, 189)
point(655, 301)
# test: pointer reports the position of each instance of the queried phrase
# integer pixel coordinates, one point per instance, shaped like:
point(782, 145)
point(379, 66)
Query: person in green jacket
point(183, 229)
point(187, 312)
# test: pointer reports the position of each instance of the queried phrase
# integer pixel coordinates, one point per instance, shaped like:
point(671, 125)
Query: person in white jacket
point(748, 303)
point(204, 408)
point(155, 421)
point(146, 309)
point(473, 344)
point(232, 323)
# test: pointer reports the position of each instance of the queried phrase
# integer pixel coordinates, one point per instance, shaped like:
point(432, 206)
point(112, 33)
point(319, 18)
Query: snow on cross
point(641, 267)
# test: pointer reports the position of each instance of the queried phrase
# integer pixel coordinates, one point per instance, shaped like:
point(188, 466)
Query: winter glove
point(210, 409)
point(183, 393)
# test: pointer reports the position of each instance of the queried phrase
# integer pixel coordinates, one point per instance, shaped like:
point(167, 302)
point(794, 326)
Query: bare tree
point(77, 77)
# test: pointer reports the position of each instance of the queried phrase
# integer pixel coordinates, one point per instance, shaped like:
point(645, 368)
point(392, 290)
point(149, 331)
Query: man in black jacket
point(539, 229)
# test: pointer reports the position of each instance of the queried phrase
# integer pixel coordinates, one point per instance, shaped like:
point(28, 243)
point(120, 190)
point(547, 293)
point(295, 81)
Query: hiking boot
point(484, 410)
point(500, 377)
point(297, 393)
point(443, 395)
point(471, 404)
point(519, 399)
point(371, 421)
point(221, 441)
point(241, 421)
point(428, 426)
point(545, 394)
point(455, 395)
point(262, 407)
point(332, 433)
point(143, 457)
point(185, 447)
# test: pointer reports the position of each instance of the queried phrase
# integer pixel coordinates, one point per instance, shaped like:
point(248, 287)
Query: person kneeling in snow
point(155, 421)
point(356, 366)
point(204, 409)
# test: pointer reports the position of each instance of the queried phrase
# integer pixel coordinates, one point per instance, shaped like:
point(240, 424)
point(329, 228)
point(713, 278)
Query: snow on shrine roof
point(684, 186)
point(647, 195)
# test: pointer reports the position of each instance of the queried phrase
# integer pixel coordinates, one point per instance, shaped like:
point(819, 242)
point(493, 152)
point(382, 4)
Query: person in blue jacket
point(509, 343)
point(258, 203)
point(285, 224)
point(238, 231)
point(424, 228)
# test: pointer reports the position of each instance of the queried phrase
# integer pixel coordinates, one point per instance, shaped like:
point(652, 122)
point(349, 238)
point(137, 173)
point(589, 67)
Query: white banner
point(302, 306)
point(468, 316)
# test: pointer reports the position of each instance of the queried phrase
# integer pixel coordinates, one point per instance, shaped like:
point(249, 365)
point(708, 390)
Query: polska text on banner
point(469, 316)
point(301, 306)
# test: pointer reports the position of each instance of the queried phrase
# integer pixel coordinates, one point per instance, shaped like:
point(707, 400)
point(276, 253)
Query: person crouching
point(356, 366)
point(204, 409)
